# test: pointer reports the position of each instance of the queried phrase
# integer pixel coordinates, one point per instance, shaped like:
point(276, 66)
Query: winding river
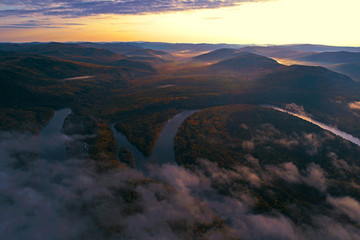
point(335, 131)
point(164, 148)
point(51, 141)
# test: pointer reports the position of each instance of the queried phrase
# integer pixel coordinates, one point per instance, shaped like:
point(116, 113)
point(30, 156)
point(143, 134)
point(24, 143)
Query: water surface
point(51, 141)
point(77, 78)
point(164, 148)
point(334, 130)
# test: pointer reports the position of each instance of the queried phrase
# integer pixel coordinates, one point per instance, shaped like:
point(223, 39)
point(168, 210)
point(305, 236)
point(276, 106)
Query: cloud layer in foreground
point(69, 199)
point(80, 8)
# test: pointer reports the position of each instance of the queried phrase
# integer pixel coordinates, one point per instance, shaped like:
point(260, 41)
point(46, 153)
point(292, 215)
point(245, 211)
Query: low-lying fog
point(43, 197)
point(334, 130)
point(78, 78)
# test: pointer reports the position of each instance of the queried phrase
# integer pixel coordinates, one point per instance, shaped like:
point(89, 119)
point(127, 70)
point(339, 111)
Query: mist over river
point(51, 141)
point(333, 130)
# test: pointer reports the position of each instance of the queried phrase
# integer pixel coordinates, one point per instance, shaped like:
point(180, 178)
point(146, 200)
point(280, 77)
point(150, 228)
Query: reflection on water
point(164, 148)
point(51, 141)
point(77, 78)
point(335, 131)
point(166, 86)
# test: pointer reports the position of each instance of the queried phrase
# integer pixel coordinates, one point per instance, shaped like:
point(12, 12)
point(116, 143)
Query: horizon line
point(220, 43)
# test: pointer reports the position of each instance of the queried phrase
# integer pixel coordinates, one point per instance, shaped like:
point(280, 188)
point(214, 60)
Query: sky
point(330, 22)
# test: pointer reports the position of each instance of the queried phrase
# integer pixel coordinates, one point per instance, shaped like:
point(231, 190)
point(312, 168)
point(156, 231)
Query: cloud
point(344, 166)
point(213, 18)
point(347, 206)
point(235, 211)
point(313, 176)
point(354, 105)
point(38, 24)
point(286, 171)
point(24, 25)
point(313, 142)
point(79, 8)
point(292, 107)
point(268, 134)
point(329, 228)
point(41, 198)
point(249, 175)
point(316, 177)
point(248, 145)
point(235, 208)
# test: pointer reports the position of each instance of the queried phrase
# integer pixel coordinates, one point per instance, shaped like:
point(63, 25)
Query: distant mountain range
point(275, 51)
point(267, 167)
point(26, 78)
point(333, 57)
point(270, 73)
point(308, 78)
point(246, 62)
point(40, 64)
point(210, 47)
point(93, 53)
point(219, 54)
point(320, 48)
point(72, 52)
point(350, 69)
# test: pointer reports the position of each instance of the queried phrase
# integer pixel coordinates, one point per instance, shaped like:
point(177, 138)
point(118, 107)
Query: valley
point(187, 144)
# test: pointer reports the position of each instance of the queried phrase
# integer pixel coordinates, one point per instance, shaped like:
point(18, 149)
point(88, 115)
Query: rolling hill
point(29, 78)
point(275, 51)
point(73, 52)
point(350, 69)
point(147, 53)
point(308, 77)
point(120, 48)
point(219, 54)
point(333, 57)
point(320, 48)
point(256, 143)
point(246, 63)
point(134, 53)
point(79, 53)
point(261, 164)
point(153, 57)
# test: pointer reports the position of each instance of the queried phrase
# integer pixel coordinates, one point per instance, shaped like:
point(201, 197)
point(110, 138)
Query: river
point(51, 141)
point(164, 148)
point(334, 130)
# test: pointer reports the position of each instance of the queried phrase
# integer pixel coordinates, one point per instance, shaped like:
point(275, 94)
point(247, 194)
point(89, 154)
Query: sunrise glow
point(262, 22)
